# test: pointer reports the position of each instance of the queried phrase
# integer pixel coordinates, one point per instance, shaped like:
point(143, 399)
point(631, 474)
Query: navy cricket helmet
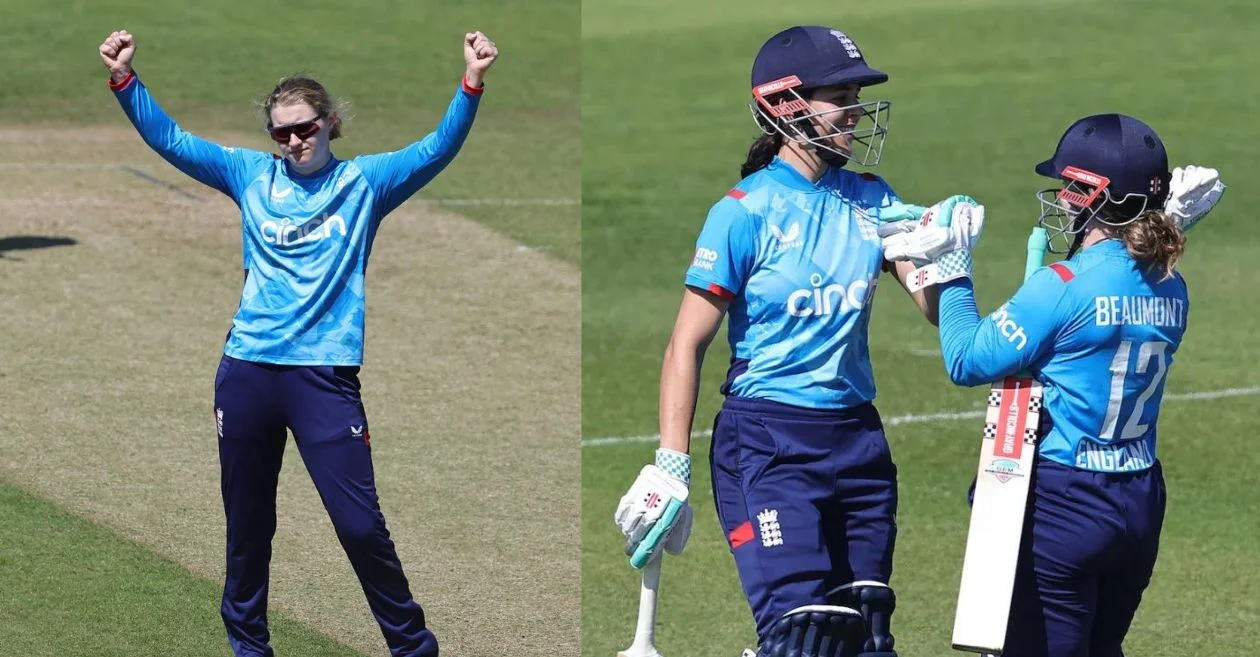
point(1114, 168)
point(800, 59)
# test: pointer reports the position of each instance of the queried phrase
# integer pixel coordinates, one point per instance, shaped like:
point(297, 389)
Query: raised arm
point(397, 175)
point(204, 161)
point(891, 210)
point(1012, 338)
point(926, 299)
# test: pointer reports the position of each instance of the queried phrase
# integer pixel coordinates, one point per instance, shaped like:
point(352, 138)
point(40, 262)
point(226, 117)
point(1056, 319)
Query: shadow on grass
point(27, 242)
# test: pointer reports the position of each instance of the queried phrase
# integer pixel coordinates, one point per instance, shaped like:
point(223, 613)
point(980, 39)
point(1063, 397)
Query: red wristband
point(122, 85)
point(476, 91)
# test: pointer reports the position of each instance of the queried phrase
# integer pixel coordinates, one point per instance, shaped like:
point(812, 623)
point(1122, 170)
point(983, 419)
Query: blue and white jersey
point(799, 262)
point(305, 238)
point(1098, 331)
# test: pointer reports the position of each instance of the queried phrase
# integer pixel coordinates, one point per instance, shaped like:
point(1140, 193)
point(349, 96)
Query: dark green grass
point(70, 588)
point(981, 91)
point(398, 62)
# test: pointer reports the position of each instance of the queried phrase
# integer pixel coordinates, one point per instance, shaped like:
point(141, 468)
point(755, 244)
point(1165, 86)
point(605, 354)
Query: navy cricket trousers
point(807, 498)
point(1087, 555)
point(254, 404)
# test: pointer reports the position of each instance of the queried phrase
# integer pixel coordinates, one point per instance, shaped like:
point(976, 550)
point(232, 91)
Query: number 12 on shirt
point(1007, 452)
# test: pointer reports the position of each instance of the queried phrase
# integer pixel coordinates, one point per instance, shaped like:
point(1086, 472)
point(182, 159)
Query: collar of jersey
point(1107, 247)
point(787, 175)
point(322, 171)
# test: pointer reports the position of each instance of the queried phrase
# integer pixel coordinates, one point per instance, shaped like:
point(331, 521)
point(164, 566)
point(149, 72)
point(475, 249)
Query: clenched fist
point(116, 53)
point(479, 53)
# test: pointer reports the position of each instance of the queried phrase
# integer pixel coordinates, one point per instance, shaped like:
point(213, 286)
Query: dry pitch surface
point(471, 384)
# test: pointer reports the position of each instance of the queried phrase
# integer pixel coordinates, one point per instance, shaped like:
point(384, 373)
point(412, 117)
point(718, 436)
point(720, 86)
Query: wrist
point(675, 464)
point(120, 79)
point(473, 81)
point(954, 265)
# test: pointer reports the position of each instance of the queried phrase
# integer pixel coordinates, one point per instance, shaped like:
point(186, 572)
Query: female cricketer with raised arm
point(292, 357)
point(1099, 330)
point(804, 482)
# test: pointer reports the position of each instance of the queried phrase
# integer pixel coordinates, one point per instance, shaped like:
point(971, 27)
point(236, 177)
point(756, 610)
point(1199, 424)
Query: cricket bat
point(1007, 452)
point(645, 629)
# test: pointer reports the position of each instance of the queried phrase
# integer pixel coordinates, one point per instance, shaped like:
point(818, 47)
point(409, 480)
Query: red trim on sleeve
point(122, 85)
point(741, 534)
point(867, 176)
point(736, 194)
point(476, 91)
point(720, 291)
point(1063, 272)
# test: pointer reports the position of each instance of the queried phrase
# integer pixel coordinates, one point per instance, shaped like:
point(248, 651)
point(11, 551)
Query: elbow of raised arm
point(449, 146)
point(169, 141)
point(440, 156)
point(961, 377)
point(961, 369)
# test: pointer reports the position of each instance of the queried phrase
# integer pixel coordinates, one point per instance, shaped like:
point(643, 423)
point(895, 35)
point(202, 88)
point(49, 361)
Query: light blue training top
point(799, 262)
point(305, 238)
point(1098, 331)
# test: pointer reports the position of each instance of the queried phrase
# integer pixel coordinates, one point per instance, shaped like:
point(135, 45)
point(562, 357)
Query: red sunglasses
point(303, 130)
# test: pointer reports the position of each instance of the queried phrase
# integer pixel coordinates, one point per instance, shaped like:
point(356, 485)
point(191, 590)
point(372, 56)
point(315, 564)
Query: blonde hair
point(1153, 238)
point(302, 88)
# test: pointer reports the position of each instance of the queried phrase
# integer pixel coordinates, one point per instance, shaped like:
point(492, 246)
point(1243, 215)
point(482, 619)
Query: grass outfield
point(109, 597)
point(117, 290)
point(981, 91)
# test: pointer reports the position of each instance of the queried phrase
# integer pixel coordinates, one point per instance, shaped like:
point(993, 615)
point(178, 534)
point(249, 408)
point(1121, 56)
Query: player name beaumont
point(1148, 311)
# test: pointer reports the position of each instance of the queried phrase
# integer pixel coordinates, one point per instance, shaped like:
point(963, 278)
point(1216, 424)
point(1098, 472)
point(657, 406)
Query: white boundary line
point(930, 417)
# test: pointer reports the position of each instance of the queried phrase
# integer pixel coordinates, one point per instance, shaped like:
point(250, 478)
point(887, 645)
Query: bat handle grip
point(650, 544)
point(1038, 241)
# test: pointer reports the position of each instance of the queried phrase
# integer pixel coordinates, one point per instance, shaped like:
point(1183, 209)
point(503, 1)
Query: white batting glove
point(939, 243)
point(1192, 193)
point(951, 225)
point(656, 486)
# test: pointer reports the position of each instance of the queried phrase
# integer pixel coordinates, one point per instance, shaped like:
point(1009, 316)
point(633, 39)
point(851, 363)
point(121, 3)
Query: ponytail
point(761, 153)
point(1154, 239)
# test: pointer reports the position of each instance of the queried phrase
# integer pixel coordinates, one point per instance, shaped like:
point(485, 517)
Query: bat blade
point(1000, 503)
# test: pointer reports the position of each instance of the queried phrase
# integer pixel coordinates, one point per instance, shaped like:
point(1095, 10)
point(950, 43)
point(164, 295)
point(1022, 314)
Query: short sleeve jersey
point(799, 262)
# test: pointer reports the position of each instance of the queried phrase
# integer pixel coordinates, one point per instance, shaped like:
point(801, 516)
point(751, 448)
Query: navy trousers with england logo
point(1088, 551)
point(254, 404)
point(807, 498)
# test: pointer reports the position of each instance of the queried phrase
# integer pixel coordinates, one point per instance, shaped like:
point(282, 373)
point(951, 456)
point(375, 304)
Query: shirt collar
point(787, 175)
point(320, 172)
point(1109, 246)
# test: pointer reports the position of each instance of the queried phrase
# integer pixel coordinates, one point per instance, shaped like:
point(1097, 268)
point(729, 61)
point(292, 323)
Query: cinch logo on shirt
point(823, 301)
point(1008, 328)
point(704, 258)
point(285, 233)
